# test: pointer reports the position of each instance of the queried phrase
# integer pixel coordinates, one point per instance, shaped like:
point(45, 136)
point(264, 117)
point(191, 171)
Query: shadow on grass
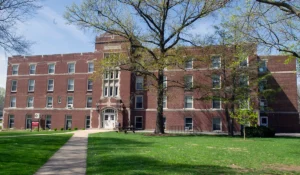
point(108, 155)
point(25, 155)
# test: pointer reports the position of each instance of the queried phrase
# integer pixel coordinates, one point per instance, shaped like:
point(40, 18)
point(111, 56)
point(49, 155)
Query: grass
point(24, 132)
point(25, 155)
point(118, 153)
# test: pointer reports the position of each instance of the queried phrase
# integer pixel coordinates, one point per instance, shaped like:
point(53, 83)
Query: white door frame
point(110, 114)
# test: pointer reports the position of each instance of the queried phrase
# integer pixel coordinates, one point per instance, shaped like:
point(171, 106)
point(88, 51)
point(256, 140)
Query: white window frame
point(48, 85)
point(88, 85)
point(11, 88)
point(27, 104)
point(247, 61)
point(69, 68)
point(89, 63)
point(12, 72)
point(70, 84)
point(30, 69)
point(165, 101)
point(263, 69)
point(265, 104)
point(136, 101)
point(29, 85)
point(165, 83)
point(47, 104)
point(264, 83)
point(135, 121)
point(9, 121)
point(220, 60)
point(213, 123)
point(70, 105)
point(215, 75)
point(87, 119)
point(137, 82)
point(185, 101)
point(53, 68)
point(87, 102)
point(188, 62)
point(212, 105)
point(46, 119)
point(264, 117)
point(187, 123)
point(15, 101)
point(185, 82)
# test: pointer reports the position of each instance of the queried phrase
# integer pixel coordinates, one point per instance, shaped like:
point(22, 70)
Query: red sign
point(35, 124)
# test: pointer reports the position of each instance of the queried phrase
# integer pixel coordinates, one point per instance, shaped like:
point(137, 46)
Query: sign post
point(36, 123)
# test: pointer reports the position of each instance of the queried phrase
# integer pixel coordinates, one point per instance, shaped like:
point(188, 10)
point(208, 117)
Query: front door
point(109, 121)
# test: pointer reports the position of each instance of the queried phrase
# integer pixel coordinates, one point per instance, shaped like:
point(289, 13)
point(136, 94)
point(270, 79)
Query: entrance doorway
point(109, 118)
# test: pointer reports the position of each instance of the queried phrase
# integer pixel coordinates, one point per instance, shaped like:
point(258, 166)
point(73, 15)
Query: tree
point(245, 117)
point(273, 25)
point(2, 98)
point(154, 30)
point(12, 13)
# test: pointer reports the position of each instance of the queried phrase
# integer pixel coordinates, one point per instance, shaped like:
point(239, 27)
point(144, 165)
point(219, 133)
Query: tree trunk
point(244, 130)
point(159, 129)
point(232, 121)
point(227, 119)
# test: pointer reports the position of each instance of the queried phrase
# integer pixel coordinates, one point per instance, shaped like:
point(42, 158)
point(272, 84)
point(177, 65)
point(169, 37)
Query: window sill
point(13, 91)
point(139, 108)
point(49, 91)
point(12, 107)
point(30, 91)
point(71, 91)
point(188, 108)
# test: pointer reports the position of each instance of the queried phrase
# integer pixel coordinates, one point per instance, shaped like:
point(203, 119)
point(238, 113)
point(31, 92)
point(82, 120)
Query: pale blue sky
point(52, 35)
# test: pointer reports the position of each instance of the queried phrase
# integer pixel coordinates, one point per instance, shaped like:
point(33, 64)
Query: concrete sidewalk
point(70, 158)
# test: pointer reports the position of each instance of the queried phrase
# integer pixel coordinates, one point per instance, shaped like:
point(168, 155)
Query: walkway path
point(70, 158)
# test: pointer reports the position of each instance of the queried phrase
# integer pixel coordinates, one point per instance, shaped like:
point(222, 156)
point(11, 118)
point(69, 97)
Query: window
point(111, 84)
point(188, 82)
point(216, 81)
point(243, 80)
point(31, 85)
point(15, 69)
point(87, 122)
point(216, 62)
point(89, 101)
point(30, 102)
point(50, 85)
point(188, 102)
point(70, 102)
point(263, 104)
point(165, 101)
point(68, 122)
point(244, 62)
point(139, 102)
point(48, 122)
point(262, 66)
point(188, 123)
point(71, 67)
point(263, 121)
point(138, 122)
point(11, 122)
point(165, 121)
point(216, 103)
point(90, 67)
point(165, 82)
point(13, 102)
point(32, 68)
point(244, 104)
point(139, 83)
point(70, 84)
point(49, 102)
point(51, 68)
point(189, 64)
point(262, 85)
point(90, 85)
point(14, 86)
point(28, 121)
point(217, 124)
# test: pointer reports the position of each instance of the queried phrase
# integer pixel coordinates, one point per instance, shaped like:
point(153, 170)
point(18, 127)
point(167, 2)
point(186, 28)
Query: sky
point(51, 35)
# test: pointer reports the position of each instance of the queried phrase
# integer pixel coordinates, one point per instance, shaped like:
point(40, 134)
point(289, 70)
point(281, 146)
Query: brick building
point(60, 89)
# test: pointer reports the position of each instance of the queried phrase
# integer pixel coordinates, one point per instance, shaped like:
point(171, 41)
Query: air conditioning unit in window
point(70, 106)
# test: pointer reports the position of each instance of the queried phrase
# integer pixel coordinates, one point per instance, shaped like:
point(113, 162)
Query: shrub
point(83, 128)
point(55, 129)
point(260, 131)
point(69, 129)
point(0, 127)
point(35, 129)
point(61, 129)
point(75, 128)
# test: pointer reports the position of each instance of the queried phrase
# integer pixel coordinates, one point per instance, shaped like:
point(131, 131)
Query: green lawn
point(119, 153)
point(25, 155)
point(19, 132)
